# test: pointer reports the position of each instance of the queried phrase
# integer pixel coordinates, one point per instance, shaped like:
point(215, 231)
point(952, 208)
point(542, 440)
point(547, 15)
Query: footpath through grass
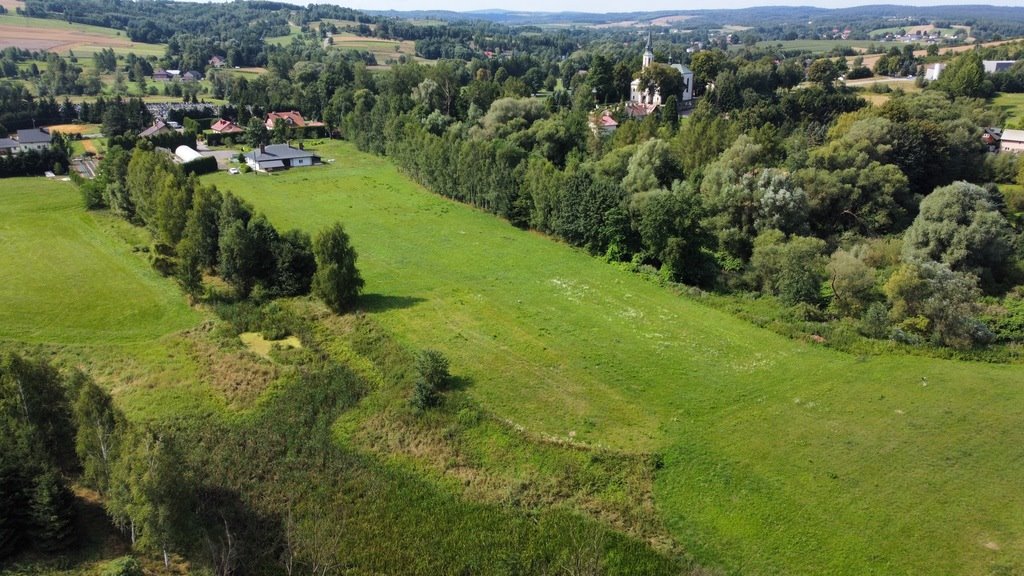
point(780, 456)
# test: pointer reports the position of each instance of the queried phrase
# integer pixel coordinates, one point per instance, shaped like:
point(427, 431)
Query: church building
point(645, 101)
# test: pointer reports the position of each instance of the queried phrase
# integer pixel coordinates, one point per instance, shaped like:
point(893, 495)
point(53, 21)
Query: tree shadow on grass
point(458, 383)
point(383, 302)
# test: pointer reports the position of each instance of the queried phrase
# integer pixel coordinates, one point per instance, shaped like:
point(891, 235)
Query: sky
point(621, 5)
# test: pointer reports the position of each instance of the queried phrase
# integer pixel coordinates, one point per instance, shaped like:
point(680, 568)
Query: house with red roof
point(293, 119)
point(603, 124)
point(222, 126)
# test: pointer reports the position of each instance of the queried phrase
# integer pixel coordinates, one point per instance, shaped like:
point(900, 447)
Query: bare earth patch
point(236, 374)
point(255, 342)
point(12, 5)
point(74, 128)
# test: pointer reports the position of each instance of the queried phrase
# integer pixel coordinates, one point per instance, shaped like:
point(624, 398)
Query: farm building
point(186, 154)
point(1012, 141)
point(278, 157)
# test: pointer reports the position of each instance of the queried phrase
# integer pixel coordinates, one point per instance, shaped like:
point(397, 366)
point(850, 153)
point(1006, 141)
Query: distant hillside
point(756, 17)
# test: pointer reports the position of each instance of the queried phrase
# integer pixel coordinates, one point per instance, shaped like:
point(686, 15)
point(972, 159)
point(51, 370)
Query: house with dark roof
point(191, 76)
point(33, 139)
point(8, 146)
point(159, 127)
point(161, 75)
point(279, 157)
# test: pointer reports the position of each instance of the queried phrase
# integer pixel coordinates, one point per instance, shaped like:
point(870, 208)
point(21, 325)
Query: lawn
point(1011, 104)
point(779, 456)
point(70, 277)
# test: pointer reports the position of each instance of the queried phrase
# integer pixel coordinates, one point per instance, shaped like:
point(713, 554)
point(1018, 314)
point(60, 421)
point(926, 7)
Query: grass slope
point(780, 456)
point(59, 36)
point(66, 282)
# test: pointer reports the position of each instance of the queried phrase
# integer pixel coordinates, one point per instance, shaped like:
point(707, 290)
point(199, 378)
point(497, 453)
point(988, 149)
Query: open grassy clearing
point(383, 50)
point(296, 32)
point(66, 283)
point(206, 385)
point(813, 46)
point(780, 456)
point(1011, 104)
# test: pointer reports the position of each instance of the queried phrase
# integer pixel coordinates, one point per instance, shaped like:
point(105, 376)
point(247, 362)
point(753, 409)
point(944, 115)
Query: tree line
point(198, 230)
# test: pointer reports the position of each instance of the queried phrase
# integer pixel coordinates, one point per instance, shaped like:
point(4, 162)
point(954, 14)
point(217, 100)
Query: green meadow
point(813, 46)
point(75, 291)
point(71, 277)
point(779, 456)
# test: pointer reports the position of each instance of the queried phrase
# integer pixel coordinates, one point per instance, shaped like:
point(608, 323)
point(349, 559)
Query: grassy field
point(57, 265)
point(62, 37)
point(779, 456)
point(923, 28)
point(1011, 104)
point(813, 46)
point(74, 291)
point(383, 50)
point(296, 32)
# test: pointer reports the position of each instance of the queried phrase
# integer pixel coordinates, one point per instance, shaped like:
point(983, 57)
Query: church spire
point(648, 53)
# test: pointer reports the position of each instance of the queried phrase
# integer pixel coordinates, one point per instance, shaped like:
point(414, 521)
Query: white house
point(1012, 141)
point(993, 66)
point(33, 139)
point(277, 157)
point(933, 71)
point(645, 100)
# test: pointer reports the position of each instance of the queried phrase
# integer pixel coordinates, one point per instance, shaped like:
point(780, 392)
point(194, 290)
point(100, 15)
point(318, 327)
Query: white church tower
point(644, 101)
point(648, 53)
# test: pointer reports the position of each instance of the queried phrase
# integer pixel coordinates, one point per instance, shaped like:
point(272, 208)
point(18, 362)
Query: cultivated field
point(871, 60)
point(69, 278)
point(779, 456)
point(927, 28)
point(383, 50)
point(59, 36)
point(813, 46)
